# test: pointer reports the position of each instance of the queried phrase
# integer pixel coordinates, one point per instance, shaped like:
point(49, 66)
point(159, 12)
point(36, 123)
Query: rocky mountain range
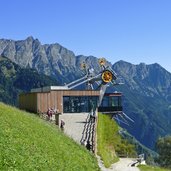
point(146, 92)
point(147, 100)
point(52, 60)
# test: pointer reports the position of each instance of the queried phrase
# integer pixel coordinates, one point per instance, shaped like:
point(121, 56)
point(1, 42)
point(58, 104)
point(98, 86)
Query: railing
point(95, 134)
point(89, 133)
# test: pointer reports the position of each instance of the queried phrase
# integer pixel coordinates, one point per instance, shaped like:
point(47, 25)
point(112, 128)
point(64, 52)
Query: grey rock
point(53, 60)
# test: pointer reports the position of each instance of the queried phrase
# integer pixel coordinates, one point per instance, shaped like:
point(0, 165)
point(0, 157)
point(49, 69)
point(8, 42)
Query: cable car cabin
point(111, 103)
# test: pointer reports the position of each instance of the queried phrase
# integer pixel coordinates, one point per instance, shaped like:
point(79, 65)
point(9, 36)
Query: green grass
point(105, 148)
point(29, 143)
point(110, 144)
point(151, 168)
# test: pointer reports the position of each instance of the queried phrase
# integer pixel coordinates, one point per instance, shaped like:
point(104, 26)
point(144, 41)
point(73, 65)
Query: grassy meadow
point(29, 143)
point(110, 143)
point(151, 168)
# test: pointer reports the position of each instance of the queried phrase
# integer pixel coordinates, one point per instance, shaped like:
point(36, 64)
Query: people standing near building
point(88, 145)
point(49, 113)
point(62, 124)
point(92, 112)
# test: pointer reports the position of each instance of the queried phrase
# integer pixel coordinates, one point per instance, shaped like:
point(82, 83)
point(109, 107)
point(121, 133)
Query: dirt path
point(124, 164)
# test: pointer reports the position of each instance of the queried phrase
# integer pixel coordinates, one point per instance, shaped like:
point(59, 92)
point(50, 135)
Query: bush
point(163, 146)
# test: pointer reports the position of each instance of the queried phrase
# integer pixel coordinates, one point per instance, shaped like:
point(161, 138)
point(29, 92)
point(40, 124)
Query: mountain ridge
point(147, 100)
point(147, 88)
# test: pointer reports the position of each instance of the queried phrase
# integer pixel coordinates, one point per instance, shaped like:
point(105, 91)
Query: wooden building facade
point(38, 101)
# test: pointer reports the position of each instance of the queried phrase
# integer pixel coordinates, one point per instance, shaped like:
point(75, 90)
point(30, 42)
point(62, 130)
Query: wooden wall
point(40, 102)
point(28, 102)
point(51, 99)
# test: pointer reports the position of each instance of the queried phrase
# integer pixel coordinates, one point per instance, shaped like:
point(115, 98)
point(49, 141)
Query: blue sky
point(131, 30)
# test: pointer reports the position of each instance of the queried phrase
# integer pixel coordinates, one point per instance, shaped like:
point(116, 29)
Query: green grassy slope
point(110, 143)
point(151, 168)
point(29, 143)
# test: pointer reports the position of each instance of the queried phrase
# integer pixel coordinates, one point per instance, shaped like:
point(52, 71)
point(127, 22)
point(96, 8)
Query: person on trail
point(92, 112)
point(49, 113)
point(88, 145)
point(62, 124)
point(91, 116)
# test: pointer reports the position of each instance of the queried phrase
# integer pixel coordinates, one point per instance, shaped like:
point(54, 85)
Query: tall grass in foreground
point(110, 144)
point(151, 168)
point(29, 143)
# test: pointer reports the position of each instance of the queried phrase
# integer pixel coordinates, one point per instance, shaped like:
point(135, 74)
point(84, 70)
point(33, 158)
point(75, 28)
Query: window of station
point(78, 104)
point(111, 103)
point(114, 101)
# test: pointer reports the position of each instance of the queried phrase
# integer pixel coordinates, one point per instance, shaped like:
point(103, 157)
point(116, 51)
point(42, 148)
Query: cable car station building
point(68, 101)
point(57, 97)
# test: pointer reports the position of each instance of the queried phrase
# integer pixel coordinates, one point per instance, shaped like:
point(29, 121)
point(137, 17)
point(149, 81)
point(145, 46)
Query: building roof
point(48, 88)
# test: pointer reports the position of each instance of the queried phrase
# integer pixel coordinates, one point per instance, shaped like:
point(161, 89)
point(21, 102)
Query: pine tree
point(164, 150)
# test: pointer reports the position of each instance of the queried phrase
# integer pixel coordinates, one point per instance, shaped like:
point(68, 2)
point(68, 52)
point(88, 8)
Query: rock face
point(53, 60)
point(149, 80)
point(147, 88)
point(147, 99)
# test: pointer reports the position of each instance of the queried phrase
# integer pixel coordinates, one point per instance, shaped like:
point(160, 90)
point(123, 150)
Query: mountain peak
point(30, 38)
point(121, 62)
